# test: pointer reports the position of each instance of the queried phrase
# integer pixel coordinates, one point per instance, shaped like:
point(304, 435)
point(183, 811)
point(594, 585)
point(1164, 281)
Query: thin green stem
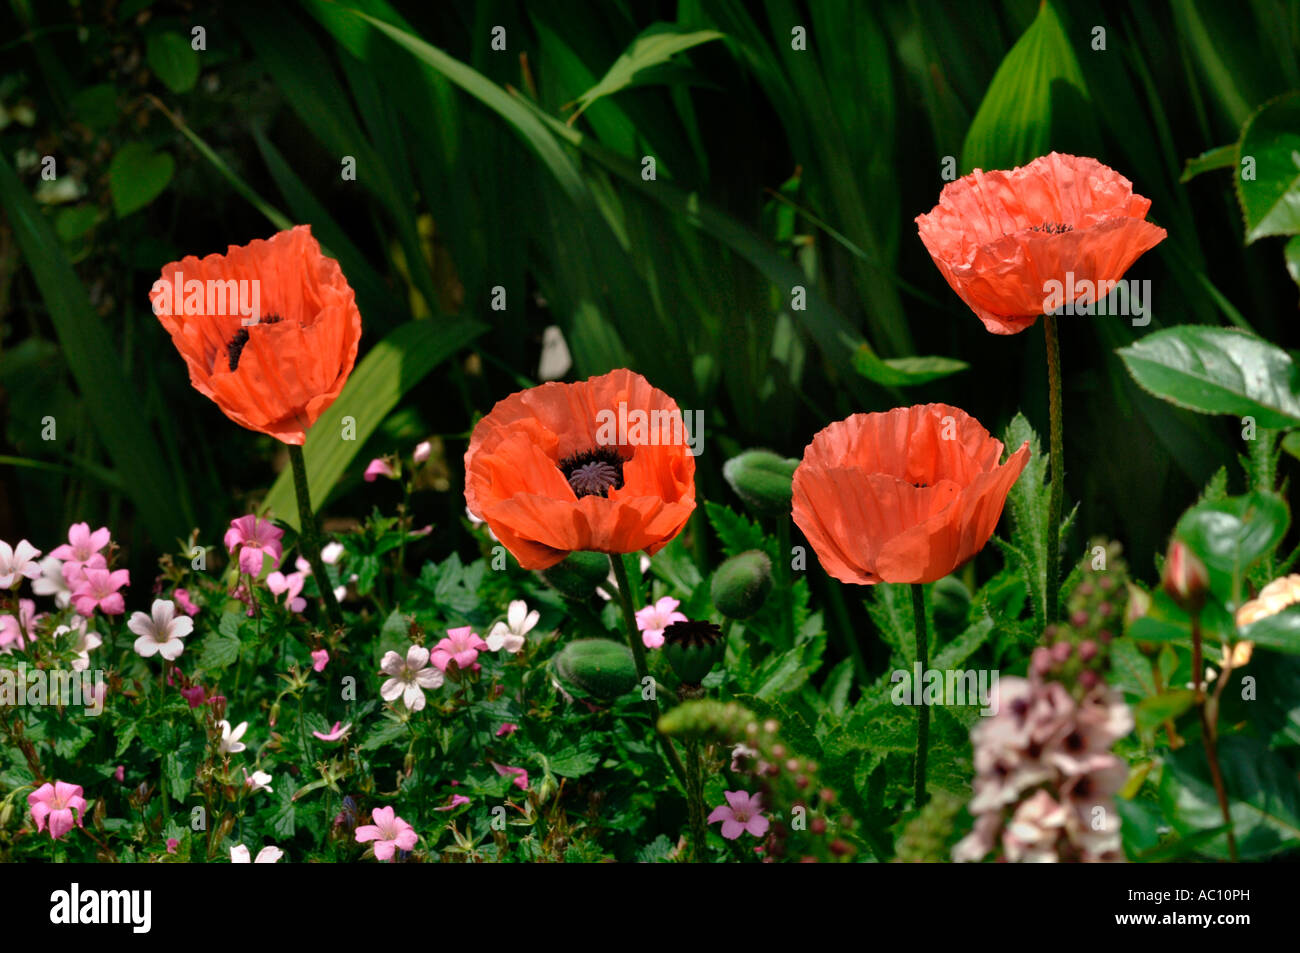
point(642, 669)
point(922, 709)
point(695, 800)
point(785, 577)
point(1058, 467)
point(1208, 736)
point(309, 536)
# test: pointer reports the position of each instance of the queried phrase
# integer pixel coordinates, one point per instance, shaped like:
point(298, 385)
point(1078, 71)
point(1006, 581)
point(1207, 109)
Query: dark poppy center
point(235, 346)
point(1052, 228)
point(593, 473)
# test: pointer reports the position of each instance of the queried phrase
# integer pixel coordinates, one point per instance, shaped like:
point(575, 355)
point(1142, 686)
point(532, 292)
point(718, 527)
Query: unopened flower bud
point(1185, 579)
point(692, 649)
point(599, 668)
point(742, 583)
point(763, 480)
point(1139, 604)
point(578, 574)
point(1087, 650)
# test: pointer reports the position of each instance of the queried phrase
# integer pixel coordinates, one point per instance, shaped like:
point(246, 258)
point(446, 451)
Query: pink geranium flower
point(182, 597)
point(456, 801)
point(521, 775)
point(20, 630)
point(254, 538)
point(319, 659)
point(53, 583)
point(270, 854)
point(289, 586)
point(195, 695)
point(83, 546)
point(54, 804)
point(389, 832)
point(652, 620)
point(741, 813)
point(17, 563)
point(509, 728)
point(98, 589)
point(335, 733)
point(379, 467)
point(462, 645)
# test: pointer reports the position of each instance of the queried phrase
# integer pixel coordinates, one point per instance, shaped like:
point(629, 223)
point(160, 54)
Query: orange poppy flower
point(999, 238)
point(601, 465)
point(269, 330)
point(903, 496)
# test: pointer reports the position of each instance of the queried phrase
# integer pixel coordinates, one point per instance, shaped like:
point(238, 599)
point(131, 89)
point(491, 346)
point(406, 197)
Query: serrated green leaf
point(1270, 201)
point(736, 533)
point(219, 651)
point(1280, 632)
point(1218, 371)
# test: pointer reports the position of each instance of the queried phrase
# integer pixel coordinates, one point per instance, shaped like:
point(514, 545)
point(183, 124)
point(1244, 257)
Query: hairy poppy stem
point(922, 710)
point(643, 670)
point(309, 535)
point(1058, 467)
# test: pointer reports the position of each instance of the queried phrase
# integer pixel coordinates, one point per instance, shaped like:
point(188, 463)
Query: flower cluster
point(1046, 776)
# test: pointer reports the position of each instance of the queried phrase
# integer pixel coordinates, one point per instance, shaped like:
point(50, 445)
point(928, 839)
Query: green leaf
point(136, 176)
point(1233, 534)
point(1280, 632)
point(174, 60)
point(73, 222)
point(574, 762)
point(903, 371)
point(96, 366)
point(656, 45)
point(1218, 371)
point(1155, 710)
point(1270, 202)
point(1263, 797)
point(736, 533)
point(1030, 501)
point(393, 366)
point(1037, 91)
point(1292, 252)
point(1224, 157)
point(219, 651)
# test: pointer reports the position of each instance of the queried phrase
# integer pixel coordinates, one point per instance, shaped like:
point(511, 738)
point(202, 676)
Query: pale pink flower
point(269, 854)
point(289, 586)
point(120, 774)
point(53, 583)
point(652, 620)
point(54, 804)
point(521, 775)
point(17, 563)
point(319, 659)
point(741, 813)
point(83, 546)
point(422, 451)
point(98, 589)
point(506, 730)
point(461, 644)
point(335, 733)
point(83, 643)
point(409, 677)
point(389, 832)
point(379, 467)
point(1034, 829)
point(161, 632)
point(230, 743)
point(513, 632)
point(257, 781)
point(182, 597)
point(172, 844)
point(331, 552)
point(254, 538)
point(19, 630)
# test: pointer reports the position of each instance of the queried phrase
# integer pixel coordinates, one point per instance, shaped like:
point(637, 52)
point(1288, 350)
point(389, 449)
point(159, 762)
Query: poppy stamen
point(1052, 228)
point(593, 473)
point(236, 346)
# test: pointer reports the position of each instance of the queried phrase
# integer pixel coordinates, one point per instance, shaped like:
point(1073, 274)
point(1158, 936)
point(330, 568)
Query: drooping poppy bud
point(578, 574)
point(601, 668)
point(742, 583)
point(762, 479)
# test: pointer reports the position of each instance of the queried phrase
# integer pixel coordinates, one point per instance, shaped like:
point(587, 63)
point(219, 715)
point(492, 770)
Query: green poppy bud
point(951, 602)
point(763, 480)
point(578, 574)
point(742, 583)
point(599, 668)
